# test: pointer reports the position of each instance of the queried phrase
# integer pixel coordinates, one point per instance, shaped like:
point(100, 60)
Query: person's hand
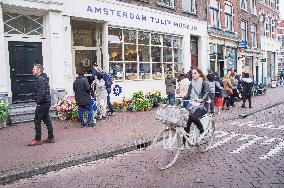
point(199, 100)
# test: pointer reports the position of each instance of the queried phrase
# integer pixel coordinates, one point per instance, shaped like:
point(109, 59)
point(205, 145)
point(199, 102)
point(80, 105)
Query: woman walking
point(101, 95)
point(228, 91)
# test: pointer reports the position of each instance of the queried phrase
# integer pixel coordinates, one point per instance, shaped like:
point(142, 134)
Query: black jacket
point(42, 90)
point(247, 84)
point(82, 90)
point(204, 95)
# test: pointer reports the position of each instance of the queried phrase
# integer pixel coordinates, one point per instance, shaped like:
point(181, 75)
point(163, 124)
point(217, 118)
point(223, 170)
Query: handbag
point(196, 109)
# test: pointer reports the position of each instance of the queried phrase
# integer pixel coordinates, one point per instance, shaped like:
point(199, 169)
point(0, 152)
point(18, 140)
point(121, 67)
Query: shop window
point(157, 70)
point(84, 34)
point(131, 71)
point(130, 52)
point(167, 3)
point(116, 69)
point(168, 69)
point(142, 54)
point(194, 51)
point(22, 24)
point(156, 53)
point(189, 6)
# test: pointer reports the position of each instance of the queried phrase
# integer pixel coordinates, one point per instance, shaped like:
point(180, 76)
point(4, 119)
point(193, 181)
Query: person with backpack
point(108, 83)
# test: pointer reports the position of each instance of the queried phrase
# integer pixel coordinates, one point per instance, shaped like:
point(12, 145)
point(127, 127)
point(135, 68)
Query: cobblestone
point(220, 167)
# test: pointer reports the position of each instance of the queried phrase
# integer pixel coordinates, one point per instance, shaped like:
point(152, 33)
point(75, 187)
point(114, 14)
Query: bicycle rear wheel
point(205, 140)
point(166, 148)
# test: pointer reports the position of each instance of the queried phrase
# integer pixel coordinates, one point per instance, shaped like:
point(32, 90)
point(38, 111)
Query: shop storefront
point(137, 45)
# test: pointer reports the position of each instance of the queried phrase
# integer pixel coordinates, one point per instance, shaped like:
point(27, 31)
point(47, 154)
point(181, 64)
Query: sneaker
point(103, 117)
point(91, 125)
point(34, 142)
point(83, 125)
point(48, 141)
point(243, 106)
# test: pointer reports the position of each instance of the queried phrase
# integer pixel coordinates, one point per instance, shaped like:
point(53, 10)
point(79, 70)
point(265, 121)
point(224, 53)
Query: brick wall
point(201, 11)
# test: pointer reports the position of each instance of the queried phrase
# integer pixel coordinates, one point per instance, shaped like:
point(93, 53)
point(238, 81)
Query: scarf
point(196, 88)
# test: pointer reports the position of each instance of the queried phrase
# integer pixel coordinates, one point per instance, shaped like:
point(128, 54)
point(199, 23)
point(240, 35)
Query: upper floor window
point(253, 7)
point(244, 30)
point(215, 13)
point(244, 4)
point(168, 3)
point(189, 6)
point(253, 36)
point(229, 17)
point(267, 28)
point(22, 24)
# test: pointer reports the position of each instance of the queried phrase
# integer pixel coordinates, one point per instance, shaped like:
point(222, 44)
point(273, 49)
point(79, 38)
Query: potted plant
point(140, 102)
point(155, 98)
point(4, 113)
point(67, 109)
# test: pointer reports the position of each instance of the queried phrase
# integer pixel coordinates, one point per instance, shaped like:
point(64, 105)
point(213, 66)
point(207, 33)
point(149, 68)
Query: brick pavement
point(224, 166)
point(118, 132)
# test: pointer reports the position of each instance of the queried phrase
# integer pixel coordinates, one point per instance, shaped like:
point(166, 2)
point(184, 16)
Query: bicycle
point(167, 145)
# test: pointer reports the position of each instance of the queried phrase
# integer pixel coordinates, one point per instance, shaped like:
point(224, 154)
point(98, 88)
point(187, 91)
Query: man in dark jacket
point(247, 84)
point(43, 103)
point(82, 90)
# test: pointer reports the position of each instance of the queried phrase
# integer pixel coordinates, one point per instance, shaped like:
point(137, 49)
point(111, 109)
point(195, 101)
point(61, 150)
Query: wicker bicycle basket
point(172, 115)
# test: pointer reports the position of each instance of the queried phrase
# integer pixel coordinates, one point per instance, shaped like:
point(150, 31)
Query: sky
point(281, 8)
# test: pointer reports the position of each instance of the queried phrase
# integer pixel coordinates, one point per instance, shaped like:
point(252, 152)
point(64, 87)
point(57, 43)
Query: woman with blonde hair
point(228, 90)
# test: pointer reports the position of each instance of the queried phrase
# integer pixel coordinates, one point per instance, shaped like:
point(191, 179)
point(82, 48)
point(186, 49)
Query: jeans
point(42, 113)
point(90, 113)
point(110, 107)
point(171, 98)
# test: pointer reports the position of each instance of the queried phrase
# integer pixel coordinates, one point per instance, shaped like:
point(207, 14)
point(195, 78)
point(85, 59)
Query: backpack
point(108, 79)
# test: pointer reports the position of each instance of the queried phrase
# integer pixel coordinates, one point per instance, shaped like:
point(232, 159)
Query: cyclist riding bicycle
point(198, 91)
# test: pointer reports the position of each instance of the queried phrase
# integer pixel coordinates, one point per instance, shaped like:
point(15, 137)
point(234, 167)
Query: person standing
point(170, 83)
point(234, 83)
point(183, 88)
point(43, 104)
point(247, 84)
point(218, 100)
point(228, 90)
point(82, 91)
point(101, 95)
point(212, 85)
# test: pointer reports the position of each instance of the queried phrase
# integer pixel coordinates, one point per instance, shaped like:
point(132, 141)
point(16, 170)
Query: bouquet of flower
point(140, 102)
point(155, 98)
point(67, 109)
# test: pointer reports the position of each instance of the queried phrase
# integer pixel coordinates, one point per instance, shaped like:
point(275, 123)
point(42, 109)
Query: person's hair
point(233, 74)
point(210, 77)
point(246, 75)
point(95, 64)
point(39, 66)
point(81, 73)
point(227, 75)
point(200, 72)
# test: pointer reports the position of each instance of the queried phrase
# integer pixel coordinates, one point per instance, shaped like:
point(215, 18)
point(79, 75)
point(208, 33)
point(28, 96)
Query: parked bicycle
point(167, 145)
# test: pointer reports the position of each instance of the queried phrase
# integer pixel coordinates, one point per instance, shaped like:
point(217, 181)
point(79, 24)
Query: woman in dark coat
point(247, 84)
point(82, 90)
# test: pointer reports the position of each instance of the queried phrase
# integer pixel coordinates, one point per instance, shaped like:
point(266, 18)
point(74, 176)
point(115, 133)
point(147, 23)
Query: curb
point(10, 176)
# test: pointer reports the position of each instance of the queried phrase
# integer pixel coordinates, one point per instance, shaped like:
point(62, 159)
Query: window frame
point(246, 27)
point(245, 3)
point(253, 36)
point(161, 3)
point(193, 6)
point(217, 11)
point(227, 16)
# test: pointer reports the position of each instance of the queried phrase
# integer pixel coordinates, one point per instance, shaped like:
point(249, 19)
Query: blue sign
point(117, 90)
point(243, 44)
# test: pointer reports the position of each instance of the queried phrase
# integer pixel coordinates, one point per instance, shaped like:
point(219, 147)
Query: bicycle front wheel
point(166, 148)
point(205, 140)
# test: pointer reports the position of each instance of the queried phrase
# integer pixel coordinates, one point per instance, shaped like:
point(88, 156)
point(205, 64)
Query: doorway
point(22, 57)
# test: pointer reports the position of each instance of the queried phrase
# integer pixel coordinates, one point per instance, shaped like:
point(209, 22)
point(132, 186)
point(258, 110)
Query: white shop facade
point(137, 45)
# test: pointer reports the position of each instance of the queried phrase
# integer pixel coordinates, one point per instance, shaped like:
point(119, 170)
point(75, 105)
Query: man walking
point(82, 90)
point(43, 103)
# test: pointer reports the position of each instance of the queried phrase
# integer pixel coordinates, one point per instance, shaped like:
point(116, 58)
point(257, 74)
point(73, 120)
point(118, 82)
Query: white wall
point(3, 64)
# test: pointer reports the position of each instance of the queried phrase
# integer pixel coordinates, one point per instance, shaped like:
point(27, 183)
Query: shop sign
point(128, 15)
point(243, 44)
point(263, 60)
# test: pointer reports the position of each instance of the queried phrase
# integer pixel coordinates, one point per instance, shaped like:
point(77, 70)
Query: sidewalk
point(74, 145)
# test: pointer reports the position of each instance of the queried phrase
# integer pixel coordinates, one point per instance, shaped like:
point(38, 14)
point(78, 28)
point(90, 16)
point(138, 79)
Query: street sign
point(263, 60)
point(243, 44)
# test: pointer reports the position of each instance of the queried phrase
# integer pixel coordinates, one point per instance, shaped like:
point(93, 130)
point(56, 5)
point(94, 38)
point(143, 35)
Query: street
point(245, 153)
